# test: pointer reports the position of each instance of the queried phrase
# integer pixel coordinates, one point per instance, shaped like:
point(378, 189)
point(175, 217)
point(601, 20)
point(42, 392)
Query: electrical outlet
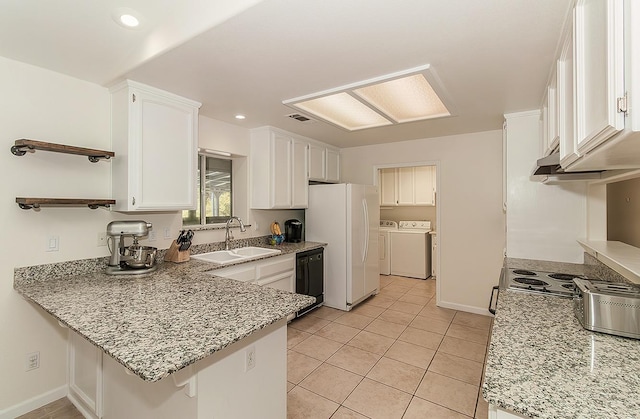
point(102, 239)
point(32, 361)
point(152, 236)
point(167, 233)
point(250, 358)
point(53, 243)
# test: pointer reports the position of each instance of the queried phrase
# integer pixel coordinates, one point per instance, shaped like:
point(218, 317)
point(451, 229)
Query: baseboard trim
point(34, 403)
point(462, 307)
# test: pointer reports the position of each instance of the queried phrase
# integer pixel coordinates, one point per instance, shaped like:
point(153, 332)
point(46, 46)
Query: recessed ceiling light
point(127, 17)
point(239, 116)
point(410, 95)
point(129, 20)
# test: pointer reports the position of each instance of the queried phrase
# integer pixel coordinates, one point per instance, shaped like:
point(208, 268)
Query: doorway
point(409, 193)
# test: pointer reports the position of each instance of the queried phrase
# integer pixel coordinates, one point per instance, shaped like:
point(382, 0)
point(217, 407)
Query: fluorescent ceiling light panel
point(411, 95)
point(405, 99)
point(344, 110)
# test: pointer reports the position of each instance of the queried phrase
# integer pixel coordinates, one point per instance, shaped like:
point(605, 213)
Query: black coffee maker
point(293, 231)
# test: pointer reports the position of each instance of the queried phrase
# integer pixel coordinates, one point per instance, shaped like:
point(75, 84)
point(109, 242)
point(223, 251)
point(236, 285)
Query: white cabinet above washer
point(408, 186)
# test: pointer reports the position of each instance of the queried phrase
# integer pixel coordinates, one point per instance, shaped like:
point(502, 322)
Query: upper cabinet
point(549, 115)
point(279, 171)
point(155, 136)
point(408, 186)
point(324, 163)
point(606, 71)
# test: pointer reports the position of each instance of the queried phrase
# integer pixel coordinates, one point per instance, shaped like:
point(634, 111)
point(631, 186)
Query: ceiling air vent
point(300, 118)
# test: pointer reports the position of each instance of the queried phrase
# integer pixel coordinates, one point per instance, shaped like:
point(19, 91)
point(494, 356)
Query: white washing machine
point(386, 226)
point(410, 249)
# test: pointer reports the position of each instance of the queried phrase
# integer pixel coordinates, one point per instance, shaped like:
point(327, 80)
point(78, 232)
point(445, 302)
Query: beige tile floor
point(397, 355)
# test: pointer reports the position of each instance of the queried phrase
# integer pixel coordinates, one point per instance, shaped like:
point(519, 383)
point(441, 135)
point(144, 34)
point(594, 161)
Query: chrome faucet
point(229, 236)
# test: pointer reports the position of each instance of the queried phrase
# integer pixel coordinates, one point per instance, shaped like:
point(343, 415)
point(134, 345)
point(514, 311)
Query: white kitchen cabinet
point(408, 186)
point(599, 71)
point(496, 413)
point(424, 185)
point(387, 181)
point(277, 272)
point(155, 136)
point(405, 186)
point(607, 70)
point(317, 162)
point(568, 146)
point(279, 173)
point(299, 174)
point(549, 115)
point(333, 166)
point(324, 163)
point(85, 376)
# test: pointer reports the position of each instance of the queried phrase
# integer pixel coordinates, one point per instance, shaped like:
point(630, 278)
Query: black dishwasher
point(310, 277)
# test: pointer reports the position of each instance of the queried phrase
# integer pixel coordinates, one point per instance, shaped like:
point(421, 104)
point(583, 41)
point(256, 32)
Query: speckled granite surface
point(541, 363)
point(157, 323)
point(87, 266)
point(544, 265)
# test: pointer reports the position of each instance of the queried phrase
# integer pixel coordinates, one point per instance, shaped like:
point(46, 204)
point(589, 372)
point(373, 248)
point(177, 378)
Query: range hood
point(548, 170)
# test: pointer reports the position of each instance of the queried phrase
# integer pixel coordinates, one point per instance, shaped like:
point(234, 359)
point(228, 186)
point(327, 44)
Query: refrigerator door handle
point(365, 210)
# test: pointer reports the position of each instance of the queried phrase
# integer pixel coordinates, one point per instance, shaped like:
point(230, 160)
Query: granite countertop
point(541, 363)
point(158, 323)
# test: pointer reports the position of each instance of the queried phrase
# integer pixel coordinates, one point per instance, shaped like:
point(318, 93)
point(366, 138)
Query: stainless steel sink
point(241, 254)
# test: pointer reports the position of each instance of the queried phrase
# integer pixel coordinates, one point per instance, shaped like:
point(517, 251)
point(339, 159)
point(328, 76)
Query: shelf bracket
point(188, 384)
point(29, 206)
point(19, 150)
point(96, 159)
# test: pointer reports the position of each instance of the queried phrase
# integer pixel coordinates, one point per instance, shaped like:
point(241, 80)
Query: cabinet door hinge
point(133, 97)
point(622, 104)
point(133, 200)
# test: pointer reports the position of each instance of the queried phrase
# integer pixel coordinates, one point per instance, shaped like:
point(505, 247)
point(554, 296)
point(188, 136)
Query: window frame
point(203, 219)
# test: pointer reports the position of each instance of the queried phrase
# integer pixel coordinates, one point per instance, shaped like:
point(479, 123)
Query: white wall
point(470, 218)
point(47, 106)
point(543, 221)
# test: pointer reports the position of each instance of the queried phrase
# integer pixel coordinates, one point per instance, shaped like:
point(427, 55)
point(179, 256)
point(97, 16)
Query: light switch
point(53, 243)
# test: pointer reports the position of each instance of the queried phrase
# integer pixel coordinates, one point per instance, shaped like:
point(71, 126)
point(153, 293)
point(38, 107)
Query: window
point(214, 192)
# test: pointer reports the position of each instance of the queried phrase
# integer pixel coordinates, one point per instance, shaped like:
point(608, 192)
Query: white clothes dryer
point(386, 226)
point(410, 248)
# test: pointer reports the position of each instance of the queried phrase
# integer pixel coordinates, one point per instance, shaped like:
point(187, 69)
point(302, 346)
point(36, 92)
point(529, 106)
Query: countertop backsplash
point(593, 268)
point(87, 266)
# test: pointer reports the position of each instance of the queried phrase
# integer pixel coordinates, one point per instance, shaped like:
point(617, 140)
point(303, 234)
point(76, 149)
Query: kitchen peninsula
point(177, 328)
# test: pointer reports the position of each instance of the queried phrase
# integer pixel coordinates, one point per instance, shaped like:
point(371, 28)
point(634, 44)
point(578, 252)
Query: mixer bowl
point(141, 256)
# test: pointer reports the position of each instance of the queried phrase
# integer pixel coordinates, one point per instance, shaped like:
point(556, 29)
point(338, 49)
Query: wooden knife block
point(175, 255)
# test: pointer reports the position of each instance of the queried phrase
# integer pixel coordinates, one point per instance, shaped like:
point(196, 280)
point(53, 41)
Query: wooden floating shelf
point(23, 145)
point(29, 203)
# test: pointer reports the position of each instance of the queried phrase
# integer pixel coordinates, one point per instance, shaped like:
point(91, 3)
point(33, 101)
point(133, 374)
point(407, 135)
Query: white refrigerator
point(347, 218)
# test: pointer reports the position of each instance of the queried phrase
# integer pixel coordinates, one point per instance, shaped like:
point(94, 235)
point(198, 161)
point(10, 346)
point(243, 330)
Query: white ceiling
point(247, 56)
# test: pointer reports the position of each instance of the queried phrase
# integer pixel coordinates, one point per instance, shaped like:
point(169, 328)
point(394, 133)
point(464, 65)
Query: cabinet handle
point(133, 200)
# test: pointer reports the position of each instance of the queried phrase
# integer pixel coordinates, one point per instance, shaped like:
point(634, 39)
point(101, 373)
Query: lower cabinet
point(276, 272)
point(496, 413)
point(218, 386)
point(85, 376)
